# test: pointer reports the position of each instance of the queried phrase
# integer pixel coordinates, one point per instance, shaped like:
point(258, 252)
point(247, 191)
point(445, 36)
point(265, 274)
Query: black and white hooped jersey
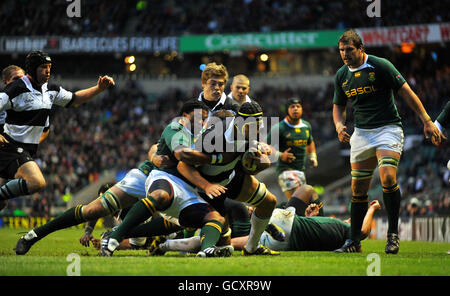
point(28, 108)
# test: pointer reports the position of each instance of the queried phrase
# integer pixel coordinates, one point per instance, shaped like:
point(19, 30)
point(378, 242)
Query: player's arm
point(85, 95)
point(339, 116)
point(273, 154)
point(193, 175)
point(87, 236)
point(161, 161)
point(194, 157)
point(367, 223)
point(413, 101)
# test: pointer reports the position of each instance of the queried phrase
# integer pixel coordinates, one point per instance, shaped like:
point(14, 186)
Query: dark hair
point(105, 188)
point(193, 104)
point(350, 36)
point(293, 101)
point(250, 109)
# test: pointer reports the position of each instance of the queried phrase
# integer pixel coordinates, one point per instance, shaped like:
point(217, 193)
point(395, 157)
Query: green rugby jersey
point(296, 137)
point(317, 234)
point(370, 88)
point(174, 135)
point(444, 116)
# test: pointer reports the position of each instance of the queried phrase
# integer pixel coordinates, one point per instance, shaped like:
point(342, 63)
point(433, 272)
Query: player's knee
point(162, 198)
point(270, 201)
point(388, 180)
point(359, 191)
point(216, 216)
point(94, 210)
point(161, 192)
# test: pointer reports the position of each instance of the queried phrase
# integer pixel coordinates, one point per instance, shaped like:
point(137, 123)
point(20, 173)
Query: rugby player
point(295, 138)
point(370, 83)
point(306, 232)
point(28, 102)
point(9, 74)
point(240, 87)
point(229, 177)
point(169, 193)
point(122, 195)
point(214, 79)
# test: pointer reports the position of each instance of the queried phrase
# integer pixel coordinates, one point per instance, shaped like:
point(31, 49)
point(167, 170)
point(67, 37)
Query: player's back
point(318, 233)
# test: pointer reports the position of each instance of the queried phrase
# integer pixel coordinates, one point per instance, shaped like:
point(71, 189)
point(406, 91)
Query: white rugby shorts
point(133, 183)
point(284, 218)
point(291, 179)
point(364, 143)
point(184, 194)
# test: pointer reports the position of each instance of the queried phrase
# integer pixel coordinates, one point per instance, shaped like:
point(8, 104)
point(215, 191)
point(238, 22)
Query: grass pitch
point(49, 257)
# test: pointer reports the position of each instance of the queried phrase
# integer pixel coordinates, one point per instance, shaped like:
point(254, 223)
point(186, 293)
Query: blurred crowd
point(178, 17)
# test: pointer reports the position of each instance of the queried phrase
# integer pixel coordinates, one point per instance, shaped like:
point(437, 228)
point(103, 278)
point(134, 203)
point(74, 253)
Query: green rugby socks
point(210, 233)
point(392, 198)
point(358, 211)
point(70, 217)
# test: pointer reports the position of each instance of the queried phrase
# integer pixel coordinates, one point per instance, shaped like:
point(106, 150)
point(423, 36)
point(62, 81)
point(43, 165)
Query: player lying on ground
point(302, 233)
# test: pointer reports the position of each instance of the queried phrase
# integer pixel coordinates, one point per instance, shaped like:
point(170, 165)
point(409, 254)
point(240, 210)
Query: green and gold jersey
point(174, 136)
point(296, 137)
point(370, 88)
point(444, 116)
point(317, 234)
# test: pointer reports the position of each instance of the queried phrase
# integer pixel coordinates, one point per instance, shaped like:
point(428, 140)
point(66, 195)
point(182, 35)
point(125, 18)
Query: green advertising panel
point(248, 41)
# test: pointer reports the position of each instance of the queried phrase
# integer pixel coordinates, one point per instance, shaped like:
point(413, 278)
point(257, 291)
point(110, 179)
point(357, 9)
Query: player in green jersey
point(443, 122)
point(296, 140)
point(370, 83)
point(120, 196)
point(302, 232)
point(168, 192)
point(443, 119)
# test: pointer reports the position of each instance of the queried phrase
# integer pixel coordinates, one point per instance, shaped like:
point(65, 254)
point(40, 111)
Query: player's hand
point(104, 82)
point(287, 156)
point(431, 130)
point(343, 136)
point(96, 243)
point(85, 239)
point(312, 210)
point(375, 204)
point(313, 161)
point(163, 161)
point(3, 139)
point(265, 148)
point(214, 190)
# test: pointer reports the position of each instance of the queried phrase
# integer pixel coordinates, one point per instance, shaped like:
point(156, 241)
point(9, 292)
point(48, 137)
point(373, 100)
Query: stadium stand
point(177, 17)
